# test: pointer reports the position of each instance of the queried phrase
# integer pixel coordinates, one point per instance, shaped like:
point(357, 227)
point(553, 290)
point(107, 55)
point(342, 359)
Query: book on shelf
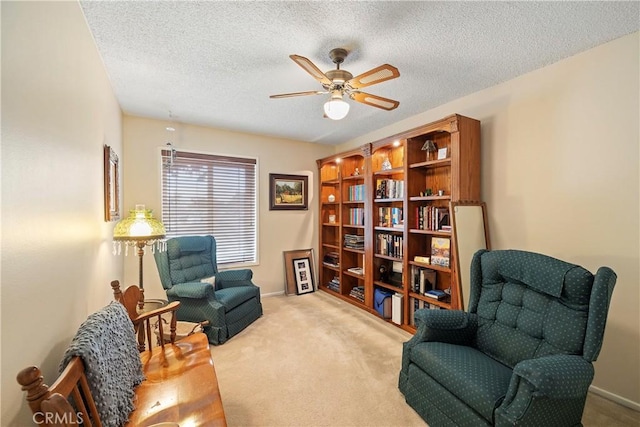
point(423, 279)
point(390, 245)
point(432, 218)
point(356, 216)
point(436, 294)
point(356, 193)
point(422, 259)
point(389, 189)
point(440, 251)
point(353, 241)
point(390, 217)
point(357, 293)
point(332, 259)
point(356, 270)
point(334, 284)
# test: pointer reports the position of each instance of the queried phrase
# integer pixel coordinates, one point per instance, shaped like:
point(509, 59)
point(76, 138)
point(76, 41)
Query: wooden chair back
point(146, 323)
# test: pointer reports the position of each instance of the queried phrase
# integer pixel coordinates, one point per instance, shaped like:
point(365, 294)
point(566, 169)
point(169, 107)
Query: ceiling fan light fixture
point(336, 108)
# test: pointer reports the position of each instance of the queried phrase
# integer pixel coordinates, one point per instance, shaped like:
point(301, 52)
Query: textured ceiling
point(215, 63)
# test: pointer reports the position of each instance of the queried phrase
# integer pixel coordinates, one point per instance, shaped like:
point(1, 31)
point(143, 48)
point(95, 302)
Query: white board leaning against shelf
point(470, 234)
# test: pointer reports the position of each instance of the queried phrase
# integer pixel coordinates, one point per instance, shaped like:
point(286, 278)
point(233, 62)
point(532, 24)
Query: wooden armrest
point(173, 306)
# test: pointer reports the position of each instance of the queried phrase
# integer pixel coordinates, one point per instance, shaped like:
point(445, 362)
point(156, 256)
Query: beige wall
point(58, 110)
point(560, 159)
point(278, 231)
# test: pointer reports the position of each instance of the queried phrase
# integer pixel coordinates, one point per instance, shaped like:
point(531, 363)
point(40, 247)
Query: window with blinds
point(216, 195)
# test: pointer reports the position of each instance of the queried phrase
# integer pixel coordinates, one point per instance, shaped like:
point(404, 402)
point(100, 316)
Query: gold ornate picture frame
point(111, 185)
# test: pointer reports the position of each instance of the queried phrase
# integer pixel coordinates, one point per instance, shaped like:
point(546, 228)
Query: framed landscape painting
point(288, 192)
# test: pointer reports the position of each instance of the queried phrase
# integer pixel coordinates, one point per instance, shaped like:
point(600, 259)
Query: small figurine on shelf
point(386, 165)
point(384, 275)
point(356, 172)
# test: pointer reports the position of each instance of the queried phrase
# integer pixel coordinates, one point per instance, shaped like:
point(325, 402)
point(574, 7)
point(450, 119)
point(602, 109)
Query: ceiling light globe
point(336, 109)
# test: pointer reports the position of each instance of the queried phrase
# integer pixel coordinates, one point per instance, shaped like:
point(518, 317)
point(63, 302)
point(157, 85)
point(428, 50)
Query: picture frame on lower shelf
point(299, 274)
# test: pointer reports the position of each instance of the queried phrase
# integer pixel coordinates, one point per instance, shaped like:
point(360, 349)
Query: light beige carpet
point(313, 360)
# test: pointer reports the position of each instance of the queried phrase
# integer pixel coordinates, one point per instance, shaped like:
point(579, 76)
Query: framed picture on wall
point(299, 275)
point(288, 192)
point(111, 185)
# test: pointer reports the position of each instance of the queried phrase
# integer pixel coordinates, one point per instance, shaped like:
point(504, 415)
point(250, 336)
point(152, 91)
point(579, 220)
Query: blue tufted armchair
point(230, 304)
point(521, 355)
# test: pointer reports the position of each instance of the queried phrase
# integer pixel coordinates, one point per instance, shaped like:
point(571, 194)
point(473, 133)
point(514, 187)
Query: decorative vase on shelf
point(331, 198)
point(386, 165)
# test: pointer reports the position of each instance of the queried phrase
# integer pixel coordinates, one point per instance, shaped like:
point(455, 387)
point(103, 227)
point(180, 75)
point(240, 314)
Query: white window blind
point(204, 194)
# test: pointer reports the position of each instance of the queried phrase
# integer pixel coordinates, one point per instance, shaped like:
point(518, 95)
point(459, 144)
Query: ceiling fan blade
point(310, 68)
point(374, 100)
point(377, 75)
point(309, 92)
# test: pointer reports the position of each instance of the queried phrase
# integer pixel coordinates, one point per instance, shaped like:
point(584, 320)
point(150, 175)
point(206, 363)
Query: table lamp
point(139, 229)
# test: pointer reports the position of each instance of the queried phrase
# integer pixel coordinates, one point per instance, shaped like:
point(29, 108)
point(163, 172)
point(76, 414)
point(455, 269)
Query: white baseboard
point(615, 398)
point(272, 294)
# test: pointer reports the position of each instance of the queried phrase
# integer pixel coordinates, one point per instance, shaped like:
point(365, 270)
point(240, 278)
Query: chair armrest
point(197, 290)
point(231, 278)
point(450, 326)
point(173, 306)
point(560, 376)
point(550, 381)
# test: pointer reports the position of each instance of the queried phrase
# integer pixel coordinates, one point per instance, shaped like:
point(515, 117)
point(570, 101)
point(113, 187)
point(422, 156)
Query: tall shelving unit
point(344, 177)
point(406, 183)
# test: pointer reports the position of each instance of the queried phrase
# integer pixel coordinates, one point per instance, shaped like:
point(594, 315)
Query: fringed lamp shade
point(139, 229)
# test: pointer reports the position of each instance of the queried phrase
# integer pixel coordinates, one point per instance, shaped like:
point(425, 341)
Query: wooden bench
point(180, 383)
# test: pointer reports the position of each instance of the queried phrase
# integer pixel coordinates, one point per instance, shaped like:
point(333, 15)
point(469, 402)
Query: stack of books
point(334, 284)
point(331, 259)
point(354, 241)
point(436, 294)
point(357, 293)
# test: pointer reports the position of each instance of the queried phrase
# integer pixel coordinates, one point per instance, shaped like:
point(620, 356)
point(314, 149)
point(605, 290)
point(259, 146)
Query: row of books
point(432, 218)
point(390, 245)
point(354, 241)
point(389, 189)
point(357, 293)
point(356, 193)
point(390, 217)
point(356, 216)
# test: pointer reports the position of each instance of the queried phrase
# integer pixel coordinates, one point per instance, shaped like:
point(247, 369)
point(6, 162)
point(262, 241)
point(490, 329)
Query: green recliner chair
point(522, 354)
point(230, 303)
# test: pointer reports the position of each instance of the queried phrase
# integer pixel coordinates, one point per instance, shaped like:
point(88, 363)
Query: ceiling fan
point(341, 82)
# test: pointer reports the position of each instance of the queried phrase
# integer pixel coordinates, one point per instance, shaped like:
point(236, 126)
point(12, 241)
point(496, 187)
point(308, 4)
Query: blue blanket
point(107, 344)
